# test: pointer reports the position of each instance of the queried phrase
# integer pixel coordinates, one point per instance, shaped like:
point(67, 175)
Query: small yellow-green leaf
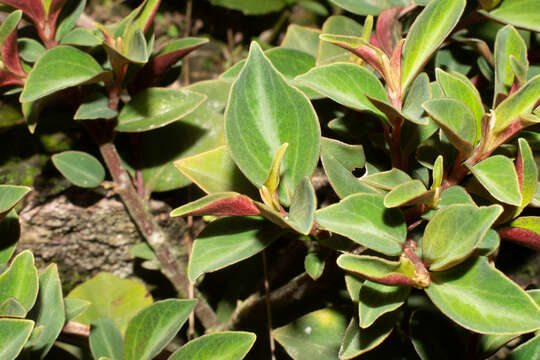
point(408, 193)
point(450, 196)
point(438, 172)
point(20, 281)
point(10, 195)
point(80, 168)
point(228, 345)
point(13, 335)
point(271, 184)
point(386, 180)
point(376, 300)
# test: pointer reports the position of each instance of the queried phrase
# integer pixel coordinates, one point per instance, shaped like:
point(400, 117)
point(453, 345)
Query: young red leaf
point(219, 204)
point(389, 29)
point(34, 9)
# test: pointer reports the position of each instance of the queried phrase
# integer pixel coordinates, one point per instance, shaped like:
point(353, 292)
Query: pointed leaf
point(419, 92)
point(438, 172)
point(512, 12)
point(367, 7)
point(12, 308)
point(349, 156)
point(152, 328)
point(364, 219)
point(450, 196)
point(408, 193)
point(70, 13)
point(20, 281)
point(228, 345)
point(427, 33)
point(347, 84)
point(227, 241)
point(314, 263)
point(316, 335)
point(524, 230)
point(105, 340)
point(13, 335)
point(480, 298)
point(386, 180)
point(353, 284)
point(376, 300)
point(455, 232)
point(303, 206)
point(10, 195)
point(80, 168)
point(527, 350)
point(10, 230)
point(95, 106)
point(59, 68)
point(498, 175)
point(75, 307)
point(341, 25)
point(527, 172)
point(8, 44)
point(301, 38)
point(157, 107)
point(256, 129)
point(218, 204)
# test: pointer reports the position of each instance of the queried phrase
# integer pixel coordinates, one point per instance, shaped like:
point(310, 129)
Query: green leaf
point(358, 341)
point(228, 345)
point(480, 298)
point(29, 49)
point(455, 232)
point(314, 263)
point(80, 168)
point(418, 93)
point(347, 84)
point(450, 196)
point(302, 38)
point(10, 195)
point(75, 307)
point(527, 350)
point(456, 121)
point(71, 12)
point(13, 335)
point(512, 12)
point(498, 175)
point(341, 25)
point(112, 297)
point(152, 328)
point(303, 206)
point(408, 193)
point(507, 44)
point(386, 180)
point(10, 230)
point(376, 300)
point(366, 7)
point(527, 171)
point(20, 281)
point(248, 7)
point(265, 112)
point(95, 106)
point(438, 172)
point(316, 335)
point(350, 156)
point(157, 107)
point(460, 88)
point(48, 312)
point(60, 68)
point(12, 308)
point(82, 37)
point(227, 241)
point(353, 284)
point(218, 204)
point(364, 219)
point(427, 33)
point(105, 340)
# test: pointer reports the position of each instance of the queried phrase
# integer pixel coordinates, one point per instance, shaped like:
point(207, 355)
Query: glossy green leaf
point(314, 263)
point(80, 168)
point(408, 193)
point(10, 230)
point(95, 106)
point(386, 180)
point(513, 12)
point(20, 280)
point(303, 206)
point(48, 312)
point(376, 300)
point(152, 328)
point(498, 175)
point(111, 297)
point(302, 38)
point(507, 44)
point(460, 88)
point(215, 171)
point(81, 37)
point(256, 129)
point(75, 307)
point(10, 195)
point(13, 335)
point(105, 340)
point(341, 25)
point(455, 232)
point(480, 298)
point(366, 7)
point(456, 121)
point(227, 241)
point(12, 308)
point(228, 345)
point(59, 68)
point(427, 33)
point(364, 219)
point(347, 84)
point(248, 7)
point(438, 172)
point(358, 341)
point(157, 107)
point(316, 335)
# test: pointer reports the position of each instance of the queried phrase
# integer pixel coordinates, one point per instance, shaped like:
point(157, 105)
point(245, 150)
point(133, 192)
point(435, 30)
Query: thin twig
point(268, 306)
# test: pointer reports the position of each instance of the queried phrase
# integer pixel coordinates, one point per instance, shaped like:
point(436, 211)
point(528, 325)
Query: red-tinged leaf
point(54, 11)
point(10, 55)
point(389, 29)
point(8, 79)
point(219, 204)
point(524, 237)
point(32, 8)
point(164, 60)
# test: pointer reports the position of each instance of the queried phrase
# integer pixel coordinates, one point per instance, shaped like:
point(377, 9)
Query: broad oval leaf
point(498, 175)
point(455, 232)
point(106, 340)
point(347, 84)
point(227, 241)
point(386, 180)
point(513, 12)
point(265, 112)
point(316, 335)
point(151, 329)
point(408, 193)
point(364, 219)
point(13, 335)
point(480, 298)
point(426, 34)
point(112, 297)
point(157, 107)
point(20, 281)
point(60, 68)
point(80, 168)
point(228, 345)
point(450, 196)
point(376, 300)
